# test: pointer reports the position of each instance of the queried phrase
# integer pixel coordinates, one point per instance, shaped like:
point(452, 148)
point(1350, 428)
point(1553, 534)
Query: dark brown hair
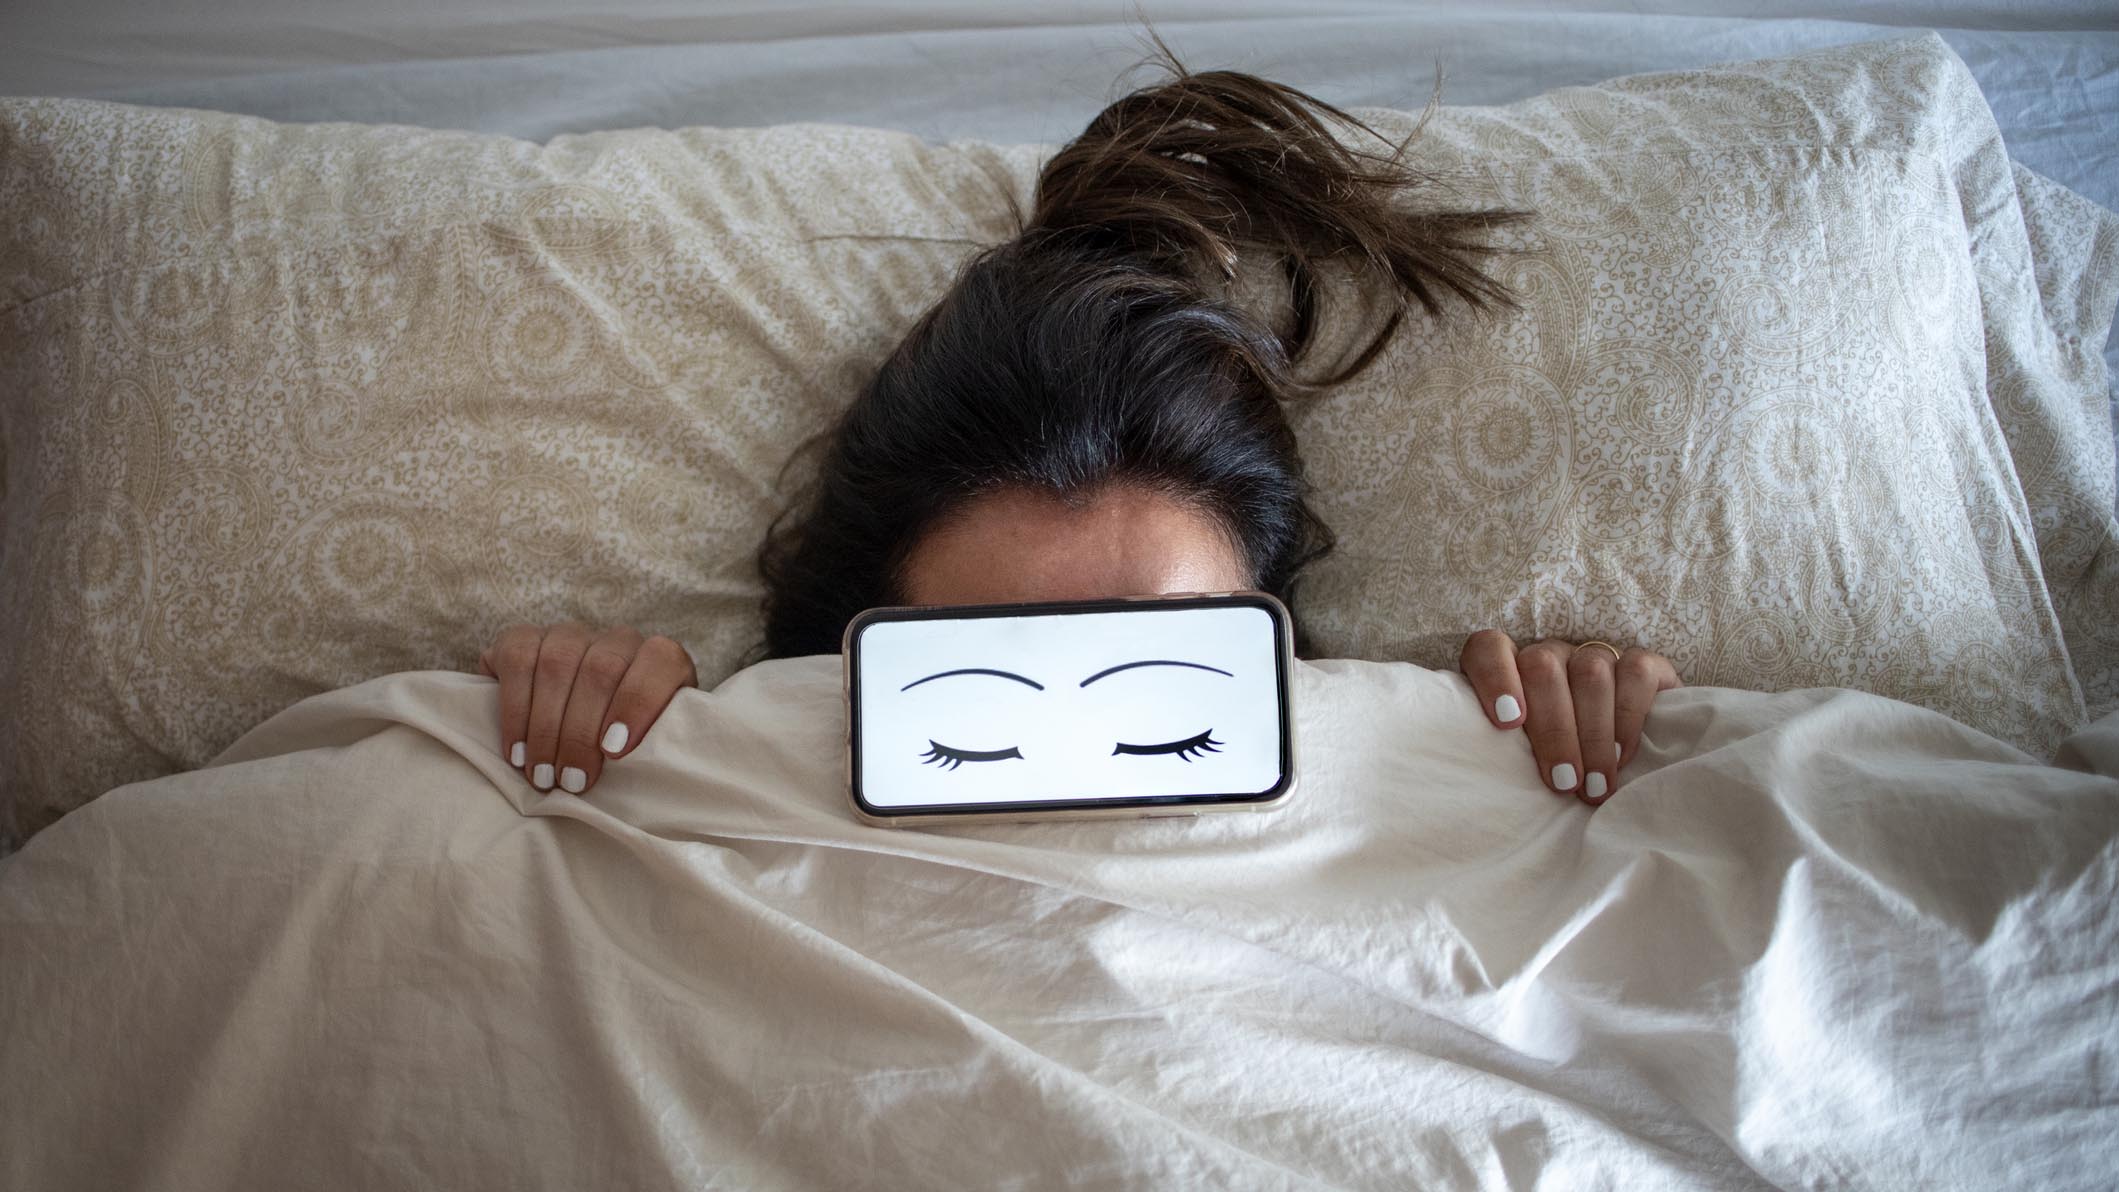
point(1101, 346)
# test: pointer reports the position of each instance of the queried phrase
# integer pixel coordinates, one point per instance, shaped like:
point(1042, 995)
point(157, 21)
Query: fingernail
point(1595, 785)
point(541, 778)
point(614, 738)
point(1563, 777)
point(1506, 709)
point(515, 756)
point(574, 779)
point(1618, 753)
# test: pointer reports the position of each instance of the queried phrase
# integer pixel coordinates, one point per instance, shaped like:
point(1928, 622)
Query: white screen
point(1069, 735)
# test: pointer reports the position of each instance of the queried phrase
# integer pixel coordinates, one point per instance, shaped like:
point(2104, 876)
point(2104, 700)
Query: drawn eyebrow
point(973, 670)
point(1153, 662)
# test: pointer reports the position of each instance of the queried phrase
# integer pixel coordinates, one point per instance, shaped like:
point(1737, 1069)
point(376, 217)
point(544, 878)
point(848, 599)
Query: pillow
point(2056, 407)
point(285, 407)
point(1746, 415)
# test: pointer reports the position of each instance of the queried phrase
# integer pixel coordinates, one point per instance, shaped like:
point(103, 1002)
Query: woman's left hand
point(1582, 706)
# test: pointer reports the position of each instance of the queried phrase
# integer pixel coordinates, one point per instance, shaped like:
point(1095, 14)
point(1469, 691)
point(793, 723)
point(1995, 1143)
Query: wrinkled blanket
point(1816, 938)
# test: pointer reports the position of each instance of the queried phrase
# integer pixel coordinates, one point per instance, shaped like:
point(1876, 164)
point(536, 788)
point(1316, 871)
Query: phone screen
point(1069, 705)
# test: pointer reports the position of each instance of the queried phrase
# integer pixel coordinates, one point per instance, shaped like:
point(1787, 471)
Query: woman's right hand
point(571, 697)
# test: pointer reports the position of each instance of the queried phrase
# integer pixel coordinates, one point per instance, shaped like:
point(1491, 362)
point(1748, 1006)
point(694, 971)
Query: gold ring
point(1607, 645)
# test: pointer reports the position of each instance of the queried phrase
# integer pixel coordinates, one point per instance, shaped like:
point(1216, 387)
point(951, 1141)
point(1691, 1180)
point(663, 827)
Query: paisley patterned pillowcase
point(1807, 393)
point(287, 407)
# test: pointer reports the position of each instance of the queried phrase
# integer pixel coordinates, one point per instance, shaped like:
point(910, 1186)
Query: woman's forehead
point(1015, 545)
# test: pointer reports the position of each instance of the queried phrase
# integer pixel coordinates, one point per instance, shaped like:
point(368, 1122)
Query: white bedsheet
point(1010, 70)
point(1817, 939)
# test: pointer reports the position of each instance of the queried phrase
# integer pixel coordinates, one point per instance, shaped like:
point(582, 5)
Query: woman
point(1089, 412)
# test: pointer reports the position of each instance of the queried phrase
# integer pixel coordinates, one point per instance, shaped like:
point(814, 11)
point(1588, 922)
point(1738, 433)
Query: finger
point(603, 668)
point(1549, 714)
point(512, 659)
point(660, 669)
point(1489, 661)
point(559, 658)
point(1641, 674)
point(1589, 680)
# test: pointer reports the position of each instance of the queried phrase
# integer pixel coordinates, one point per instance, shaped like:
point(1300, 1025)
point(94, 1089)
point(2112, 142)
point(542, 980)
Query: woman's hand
point(571, 697)
point(1582, 706)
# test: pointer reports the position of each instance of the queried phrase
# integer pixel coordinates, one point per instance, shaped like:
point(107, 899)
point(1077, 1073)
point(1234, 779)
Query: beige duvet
point(1818, 938)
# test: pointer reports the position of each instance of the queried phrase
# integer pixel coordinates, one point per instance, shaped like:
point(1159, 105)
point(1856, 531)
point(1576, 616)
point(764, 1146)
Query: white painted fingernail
point(1563, 777)
point(1595, 788)
point(515, 756)
point(573, 779)
point(1617, 751)
point(541, 778)
point(614, 737)
point(1506, 709)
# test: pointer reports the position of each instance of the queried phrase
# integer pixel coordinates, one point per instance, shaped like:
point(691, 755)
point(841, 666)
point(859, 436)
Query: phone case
point(1284, 661)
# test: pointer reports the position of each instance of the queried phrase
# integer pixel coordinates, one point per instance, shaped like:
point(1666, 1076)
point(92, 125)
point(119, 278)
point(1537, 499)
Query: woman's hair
point(1097, 348)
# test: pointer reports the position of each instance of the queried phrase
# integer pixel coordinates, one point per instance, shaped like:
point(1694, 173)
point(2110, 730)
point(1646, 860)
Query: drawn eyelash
point(950, 759)
point(1204, 743)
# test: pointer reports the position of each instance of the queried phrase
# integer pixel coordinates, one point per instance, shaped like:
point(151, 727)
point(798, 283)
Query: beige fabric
point(286, 407)
point(2060, 432)
point(1745, 419)
point(1817, 939)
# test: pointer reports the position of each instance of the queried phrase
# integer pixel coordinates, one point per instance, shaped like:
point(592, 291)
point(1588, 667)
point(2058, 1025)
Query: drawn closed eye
point(1204, 743)
point(950, 759)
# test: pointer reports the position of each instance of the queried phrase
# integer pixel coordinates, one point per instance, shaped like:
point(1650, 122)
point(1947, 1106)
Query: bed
point(1812, 391)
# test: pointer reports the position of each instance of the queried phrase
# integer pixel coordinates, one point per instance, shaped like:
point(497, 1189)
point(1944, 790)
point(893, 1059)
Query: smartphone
point(1094, 709)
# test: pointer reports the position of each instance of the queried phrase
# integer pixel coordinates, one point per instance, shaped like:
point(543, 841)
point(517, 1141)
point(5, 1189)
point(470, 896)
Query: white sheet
point(1009, 70)
point(1817, 939)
